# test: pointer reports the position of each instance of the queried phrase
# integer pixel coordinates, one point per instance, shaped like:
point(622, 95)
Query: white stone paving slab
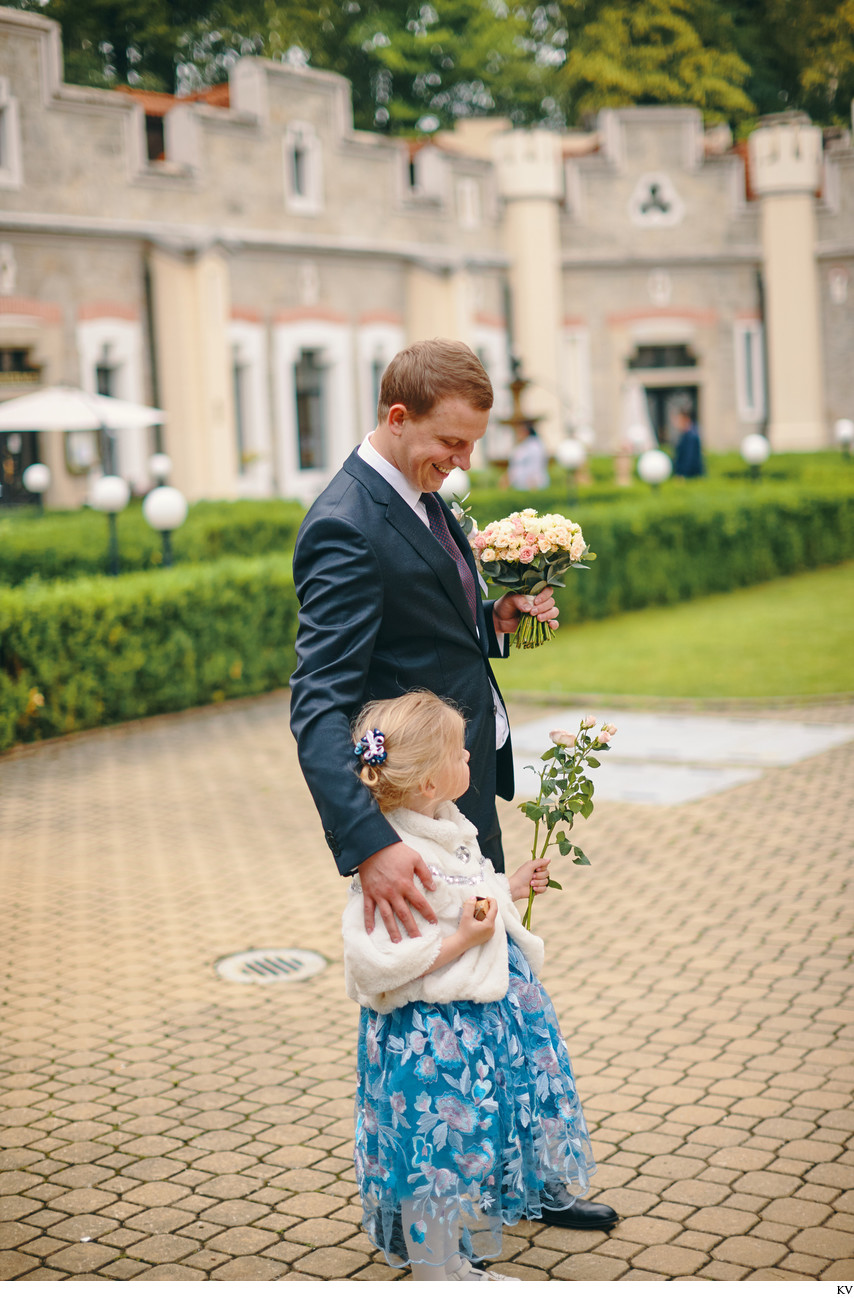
point(663, 759)
point(654, 783)
point(707, 740)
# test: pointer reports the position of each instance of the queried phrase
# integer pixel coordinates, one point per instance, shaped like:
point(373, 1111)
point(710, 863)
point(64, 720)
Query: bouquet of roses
point(565, 791)
point(527, 552)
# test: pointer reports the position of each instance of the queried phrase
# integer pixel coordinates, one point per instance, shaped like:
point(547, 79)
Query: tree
point(655, 52)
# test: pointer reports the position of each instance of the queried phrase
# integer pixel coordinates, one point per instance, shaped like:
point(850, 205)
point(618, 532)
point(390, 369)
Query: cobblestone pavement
point(162, 1123)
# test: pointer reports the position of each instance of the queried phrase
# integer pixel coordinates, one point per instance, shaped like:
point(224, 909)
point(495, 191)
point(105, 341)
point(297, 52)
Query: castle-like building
point(249, 262)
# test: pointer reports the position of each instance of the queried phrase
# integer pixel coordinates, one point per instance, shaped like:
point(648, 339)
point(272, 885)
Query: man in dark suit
point(389, 603)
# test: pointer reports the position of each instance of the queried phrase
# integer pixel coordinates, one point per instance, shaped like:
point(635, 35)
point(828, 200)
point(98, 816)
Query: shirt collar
point(368, 452)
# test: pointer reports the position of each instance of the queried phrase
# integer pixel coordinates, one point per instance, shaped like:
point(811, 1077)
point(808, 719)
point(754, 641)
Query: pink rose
point(588, 723)
point(526, 554)
point(603, 737)
point(563, 738)
point(612, 730)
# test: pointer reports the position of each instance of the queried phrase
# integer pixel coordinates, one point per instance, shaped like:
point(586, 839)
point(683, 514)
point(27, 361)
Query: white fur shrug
point(384, 975)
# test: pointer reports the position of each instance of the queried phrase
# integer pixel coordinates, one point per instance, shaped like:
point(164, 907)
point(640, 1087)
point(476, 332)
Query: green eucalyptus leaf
point(565, 848)
point(580, 859)
point(553, 884)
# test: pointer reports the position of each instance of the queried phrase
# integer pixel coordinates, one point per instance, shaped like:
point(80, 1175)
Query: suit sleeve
point(340, 592)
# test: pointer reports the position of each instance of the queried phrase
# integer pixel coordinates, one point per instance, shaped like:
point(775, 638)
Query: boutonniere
point(463, 515)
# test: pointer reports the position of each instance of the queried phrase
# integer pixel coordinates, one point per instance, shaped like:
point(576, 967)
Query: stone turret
point(786, 162)
point(530, 180)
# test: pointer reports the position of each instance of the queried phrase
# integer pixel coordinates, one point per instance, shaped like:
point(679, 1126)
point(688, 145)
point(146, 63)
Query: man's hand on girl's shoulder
point(388, 880)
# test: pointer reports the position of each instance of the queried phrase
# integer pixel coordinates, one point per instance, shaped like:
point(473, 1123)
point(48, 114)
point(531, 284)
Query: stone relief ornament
point(654, 201)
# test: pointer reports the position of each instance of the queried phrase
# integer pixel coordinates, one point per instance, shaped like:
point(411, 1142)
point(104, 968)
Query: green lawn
point(794, 636)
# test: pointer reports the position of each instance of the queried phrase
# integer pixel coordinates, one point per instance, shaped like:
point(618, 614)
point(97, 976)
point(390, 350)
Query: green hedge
point(696, 543)
point(96, 650)
point(80, 654)
point(62, 545)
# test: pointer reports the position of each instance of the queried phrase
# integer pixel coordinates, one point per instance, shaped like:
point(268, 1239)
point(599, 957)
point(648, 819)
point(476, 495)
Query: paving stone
point(14, 1264)
point(670, 1260)
point(86, 1224)
point(162, 1248)
point(255, 1269)
point(167, 1272)
point(319, 1231)
point(243, 1240)
point(83, 1258)
point(749, 1251)
point(721, 1221)
point(585, 1267)
point(824, 1243)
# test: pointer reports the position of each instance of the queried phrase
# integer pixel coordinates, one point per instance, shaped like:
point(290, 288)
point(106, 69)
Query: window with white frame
point(11, 172)
point(468, 203)
point(749, 371)
point(303, 168)
point(111, 362)
point(377, 343)
point(252, 448)
point(312, 414)
point(577, 394)
point(314, 399)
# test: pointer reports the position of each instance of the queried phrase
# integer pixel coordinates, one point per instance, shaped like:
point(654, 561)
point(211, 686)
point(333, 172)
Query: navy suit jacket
point(383, 611)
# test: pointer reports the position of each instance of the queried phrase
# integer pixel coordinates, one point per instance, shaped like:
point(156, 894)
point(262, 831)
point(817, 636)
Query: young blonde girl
point(466, 1107)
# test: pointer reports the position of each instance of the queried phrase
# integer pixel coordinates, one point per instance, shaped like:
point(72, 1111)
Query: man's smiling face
point(426, 448)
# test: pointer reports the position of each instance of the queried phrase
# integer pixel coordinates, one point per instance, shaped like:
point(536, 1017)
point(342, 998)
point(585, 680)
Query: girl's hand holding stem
point(533, 875)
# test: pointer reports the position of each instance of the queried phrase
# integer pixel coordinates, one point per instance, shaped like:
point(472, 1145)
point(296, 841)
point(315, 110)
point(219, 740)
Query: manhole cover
point(270, 965)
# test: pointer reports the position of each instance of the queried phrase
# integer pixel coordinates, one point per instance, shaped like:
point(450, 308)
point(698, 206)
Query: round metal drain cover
point(270, 965)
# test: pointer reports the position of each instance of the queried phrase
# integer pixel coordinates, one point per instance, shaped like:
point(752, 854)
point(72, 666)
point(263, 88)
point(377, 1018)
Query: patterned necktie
point(441, 531)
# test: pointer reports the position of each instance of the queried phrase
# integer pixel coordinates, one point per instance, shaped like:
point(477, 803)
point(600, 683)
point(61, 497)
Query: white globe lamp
point(36, 478)
point(655, 467)
point(160, 467)
point(571, 454)
point(638, 438)
point(165, 509)
point(755, 450)
point(843, 431)
point(110, 494)
point(456, 484)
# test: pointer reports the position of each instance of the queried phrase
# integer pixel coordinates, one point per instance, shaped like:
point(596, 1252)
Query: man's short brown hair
point(426, 372)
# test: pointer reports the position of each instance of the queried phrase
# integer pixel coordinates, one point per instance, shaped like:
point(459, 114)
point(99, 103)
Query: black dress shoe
point(582, 1215)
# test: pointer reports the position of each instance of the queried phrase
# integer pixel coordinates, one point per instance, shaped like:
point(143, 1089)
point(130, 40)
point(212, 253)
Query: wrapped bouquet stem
point(566, 791)
point(526, 552)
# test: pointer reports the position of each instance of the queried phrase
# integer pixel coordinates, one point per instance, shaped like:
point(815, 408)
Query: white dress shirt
point(368, 452)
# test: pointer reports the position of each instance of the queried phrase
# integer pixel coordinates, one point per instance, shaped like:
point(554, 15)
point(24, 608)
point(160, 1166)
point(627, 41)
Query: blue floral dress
point(470, 1110)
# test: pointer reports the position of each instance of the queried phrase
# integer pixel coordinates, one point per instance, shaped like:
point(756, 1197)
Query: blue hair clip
point(371, 748)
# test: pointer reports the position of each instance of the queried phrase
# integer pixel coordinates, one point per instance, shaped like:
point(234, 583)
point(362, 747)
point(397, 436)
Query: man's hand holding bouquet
point(526, 552)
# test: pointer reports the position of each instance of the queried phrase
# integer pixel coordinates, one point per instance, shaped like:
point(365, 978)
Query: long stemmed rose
point(565, 791)
point(527, 552)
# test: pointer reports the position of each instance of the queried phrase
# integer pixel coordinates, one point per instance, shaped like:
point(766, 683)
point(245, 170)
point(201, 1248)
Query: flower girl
point(466, 1107)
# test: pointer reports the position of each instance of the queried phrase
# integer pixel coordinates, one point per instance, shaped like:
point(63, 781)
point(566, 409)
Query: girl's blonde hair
point(420, 732)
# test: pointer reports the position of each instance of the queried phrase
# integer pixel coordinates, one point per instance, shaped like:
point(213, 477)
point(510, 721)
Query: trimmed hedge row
point(62, 546)
point(679, 548)
point(97, 650)
point(81, 654)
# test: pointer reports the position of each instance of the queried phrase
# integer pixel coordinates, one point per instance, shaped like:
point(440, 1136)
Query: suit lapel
point(407, 523)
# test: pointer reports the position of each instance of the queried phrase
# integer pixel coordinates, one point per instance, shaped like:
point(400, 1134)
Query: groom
point(390, 602)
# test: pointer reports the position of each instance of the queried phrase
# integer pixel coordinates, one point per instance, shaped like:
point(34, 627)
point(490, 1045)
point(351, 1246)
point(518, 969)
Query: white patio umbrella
point(67, 409)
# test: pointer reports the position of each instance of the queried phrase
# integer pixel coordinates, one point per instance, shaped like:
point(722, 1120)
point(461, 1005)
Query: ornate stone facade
point(248, 261)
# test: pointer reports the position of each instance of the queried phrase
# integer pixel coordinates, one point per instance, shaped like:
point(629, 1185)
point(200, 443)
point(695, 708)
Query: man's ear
point(397, 417)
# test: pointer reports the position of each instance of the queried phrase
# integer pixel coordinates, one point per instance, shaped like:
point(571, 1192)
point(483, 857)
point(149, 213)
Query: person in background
point(528, 468)
point(688, 460)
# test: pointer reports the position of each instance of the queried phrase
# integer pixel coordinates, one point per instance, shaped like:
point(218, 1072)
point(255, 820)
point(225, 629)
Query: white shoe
point(467, 1272)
